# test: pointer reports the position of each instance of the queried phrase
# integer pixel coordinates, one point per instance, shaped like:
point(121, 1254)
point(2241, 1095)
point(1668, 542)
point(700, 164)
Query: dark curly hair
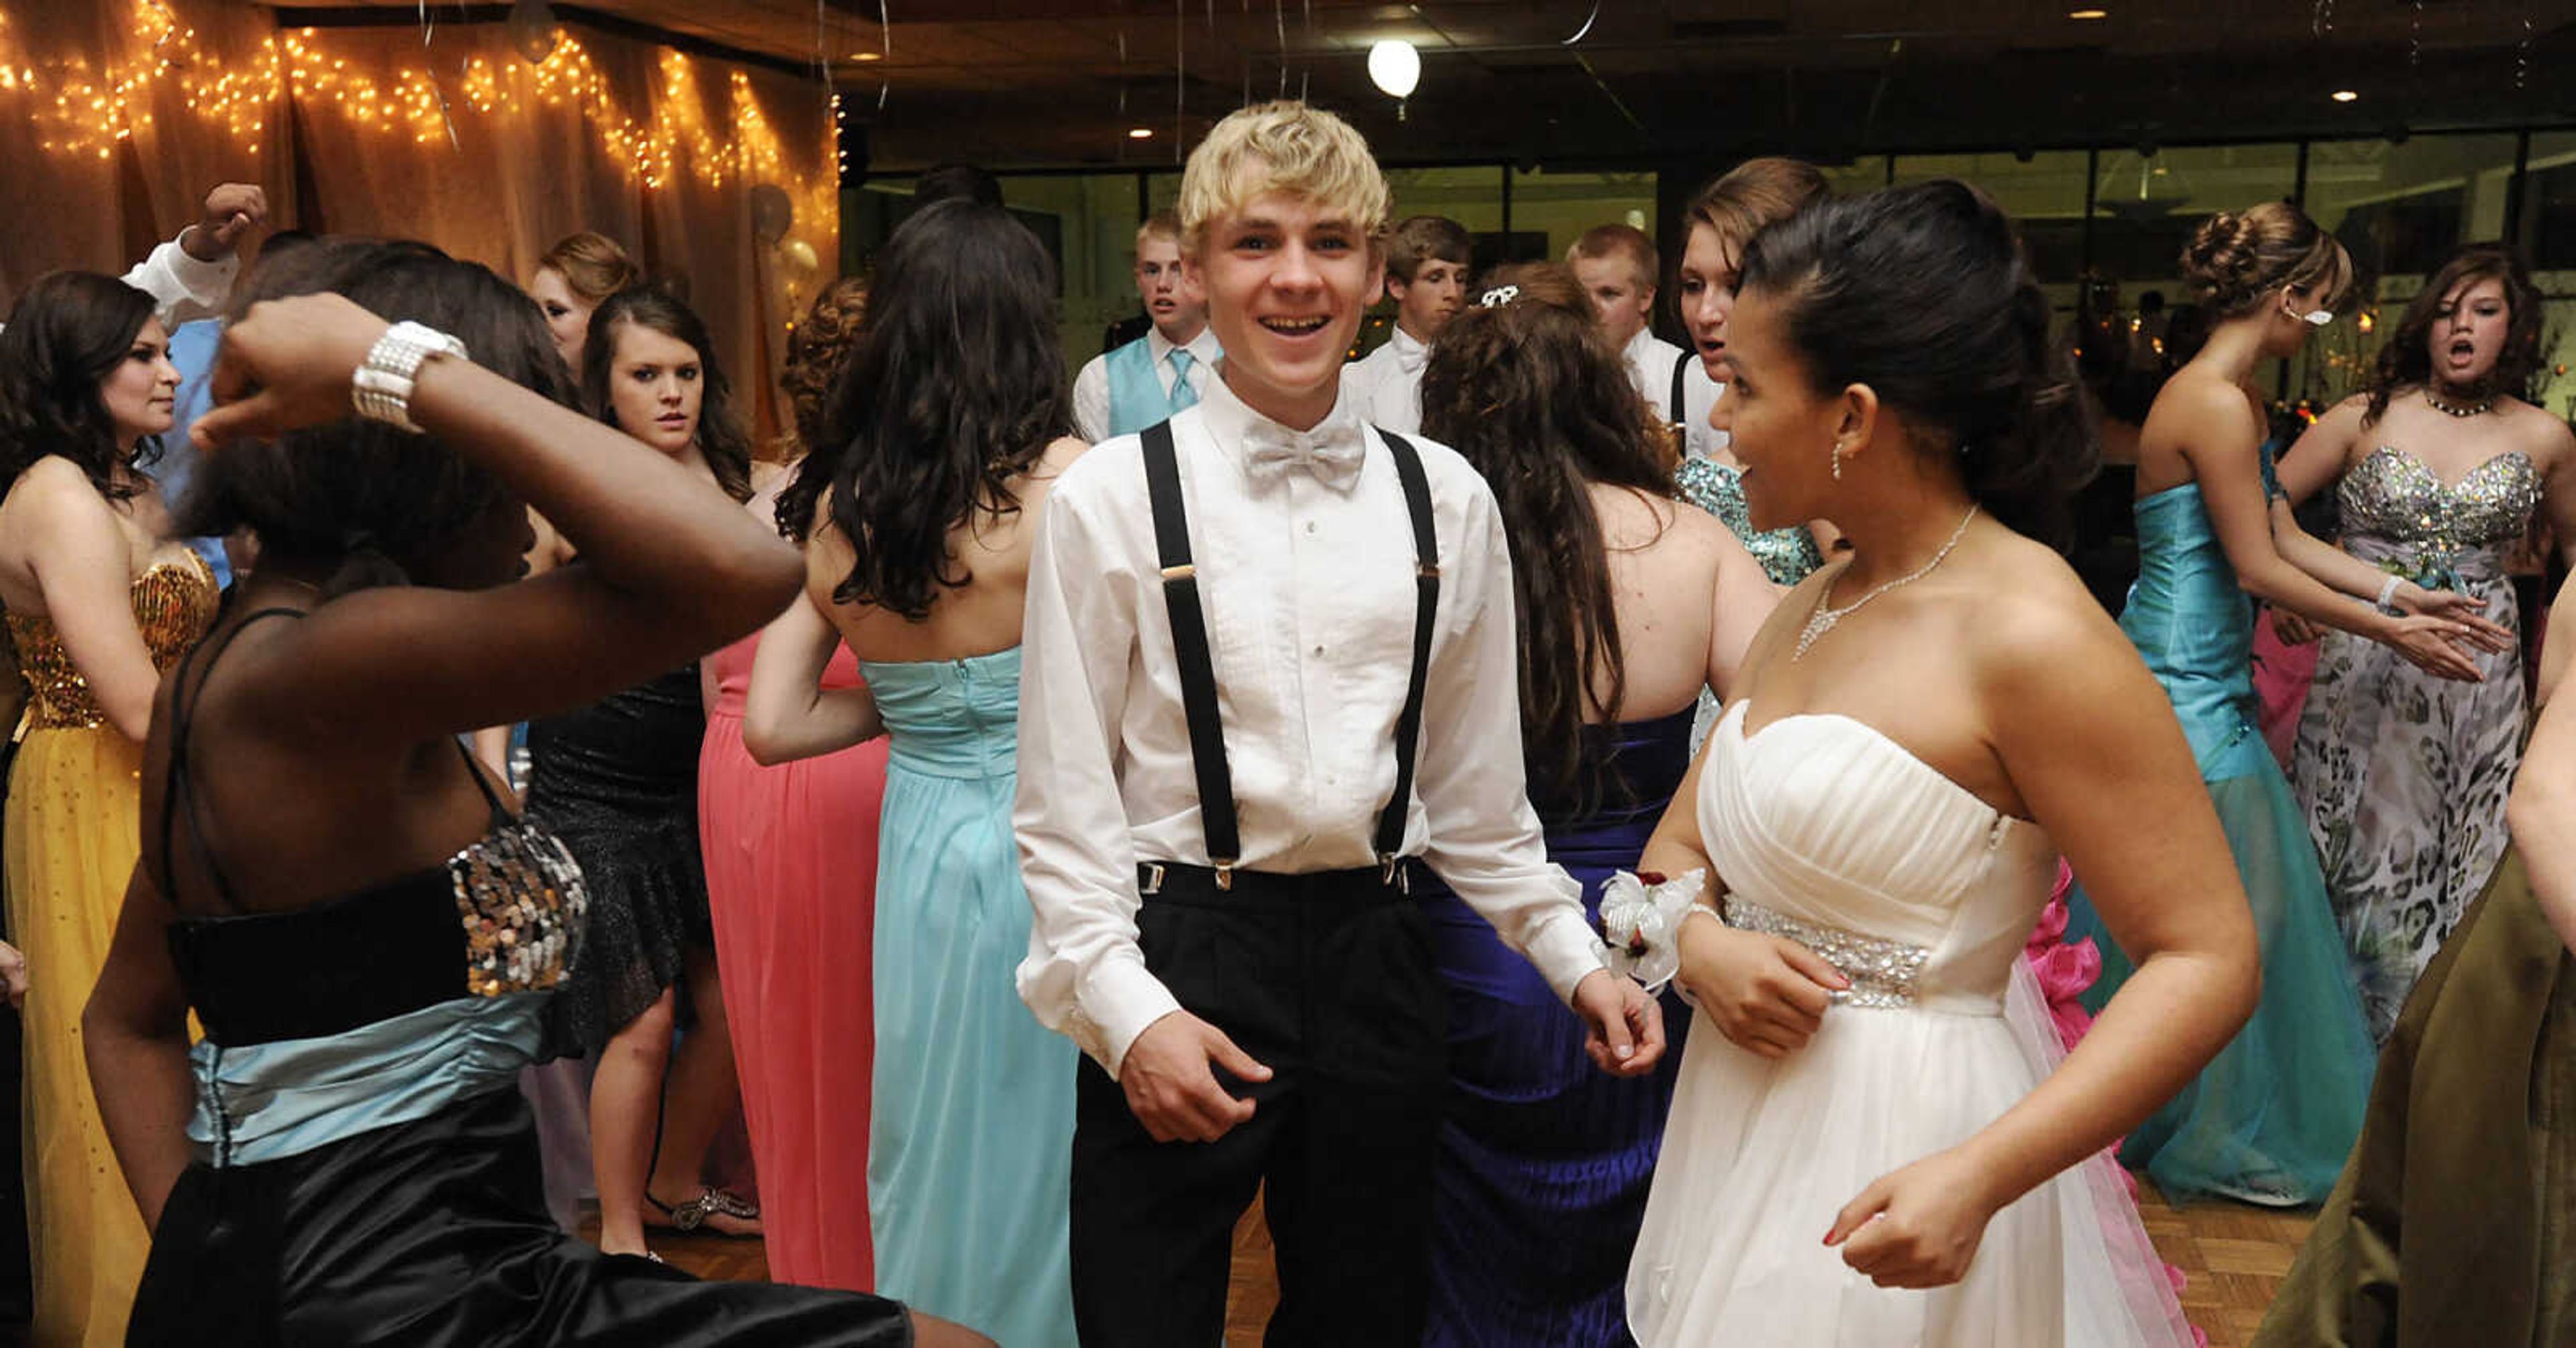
point(1532, 395)
point(2406, 362)
point(816, 351)
point(67, 334)
point(380, 502)
point(2236, 259)
point(721, 438)
point(956, 388)
point(1924, 293)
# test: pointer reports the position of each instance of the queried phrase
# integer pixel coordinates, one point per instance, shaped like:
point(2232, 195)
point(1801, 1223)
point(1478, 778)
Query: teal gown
point(970, 1153)
point(2271, 1119)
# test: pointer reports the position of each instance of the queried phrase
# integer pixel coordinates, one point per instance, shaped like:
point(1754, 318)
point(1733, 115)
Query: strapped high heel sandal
point(693, 1214)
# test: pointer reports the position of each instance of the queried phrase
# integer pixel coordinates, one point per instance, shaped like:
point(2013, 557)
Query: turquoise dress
point(2271, 1119)
point(970, 1150)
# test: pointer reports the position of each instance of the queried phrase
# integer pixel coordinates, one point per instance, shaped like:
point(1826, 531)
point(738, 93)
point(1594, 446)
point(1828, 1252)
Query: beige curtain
point(664, 152)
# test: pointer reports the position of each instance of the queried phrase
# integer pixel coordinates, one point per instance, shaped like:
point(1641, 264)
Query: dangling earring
point(1838, 463)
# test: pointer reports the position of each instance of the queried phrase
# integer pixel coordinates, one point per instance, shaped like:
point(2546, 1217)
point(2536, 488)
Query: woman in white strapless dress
point(1870, 1142)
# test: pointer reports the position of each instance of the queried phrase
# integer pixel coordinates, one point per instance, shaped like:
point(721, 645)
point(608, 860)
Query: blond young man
point(1426, 276)
point(1270, 669)
point(1617, 266)
point(1150, 378)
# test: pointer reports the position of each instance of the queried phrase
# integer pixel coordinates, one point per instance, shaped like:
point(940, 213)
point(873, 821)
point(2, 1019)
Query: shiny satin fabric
point(433, 1234)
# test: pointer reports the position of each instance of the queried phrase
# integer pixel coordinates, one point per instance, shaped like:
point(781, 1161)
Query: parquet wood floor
point(2233, 1254)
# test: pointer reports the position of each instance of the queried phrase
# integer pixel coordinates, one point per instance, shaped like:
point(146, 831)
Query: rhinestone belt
point(1882, 972)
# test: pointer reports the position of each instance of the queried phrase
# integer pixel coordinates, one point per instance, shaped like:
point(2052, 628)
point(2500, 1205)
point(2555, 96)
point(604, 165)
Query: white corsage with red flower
point(1641, 917)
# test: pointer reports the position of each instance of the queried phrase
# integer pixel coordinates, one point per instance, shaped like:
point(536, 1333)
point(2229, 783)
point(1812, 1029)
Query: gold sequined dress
point(71, 836)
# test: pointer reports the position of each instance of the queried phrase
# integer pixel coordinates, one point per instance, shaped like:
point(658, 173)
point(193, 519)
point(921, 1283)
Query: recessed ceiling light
point(2346, 95)
point(2088, 13)
point(1140, 133)
point(867, 56)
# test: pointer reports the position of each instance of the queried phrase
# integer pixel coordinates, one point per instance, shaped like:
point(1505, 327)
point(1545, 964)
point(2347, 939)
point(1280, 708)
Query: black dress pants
point(1327, 979)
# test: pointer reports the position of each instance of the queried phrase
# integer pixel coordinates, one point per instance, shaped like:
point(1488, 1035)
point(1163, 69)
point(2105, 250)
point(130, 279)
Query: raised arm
point(669, 567)
point(2094, 751)
point(189, 276)
point(788, 714)
point(2221, 435)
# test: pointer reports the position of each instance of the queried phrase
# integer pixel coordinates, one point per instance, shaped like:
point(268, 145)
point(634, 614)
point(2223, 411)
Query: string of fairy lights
point(82, 110)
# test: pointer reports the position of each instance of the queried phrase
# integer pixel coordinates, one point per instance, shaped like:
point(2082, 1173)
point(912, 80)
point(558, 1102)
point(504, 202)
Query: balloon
point(800, 257)
point(532, 29)
point(1395, 67)
point(771, 213)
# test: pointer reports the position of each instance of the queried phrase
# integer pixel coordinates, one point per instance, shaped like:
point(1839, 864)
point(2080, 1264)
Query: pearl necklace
point(1823, 619)
point(2448, 409)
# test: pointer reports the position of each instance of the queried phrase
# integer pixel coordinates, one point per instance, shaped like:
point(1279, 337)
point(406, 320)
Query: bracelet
point(382, 387)
point(2387, 593)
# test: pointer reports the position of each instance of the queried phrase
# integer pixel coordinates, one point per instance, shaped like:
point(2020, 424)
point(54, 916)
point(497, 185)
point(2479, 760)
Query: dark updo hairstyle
point(379, 503)
point(67, 334)
point(816, 351)
point(1529, 391)
point(955, 389)
point(2407, 360)
point(2237, 260)
point(1924, 293)
point(720, 437)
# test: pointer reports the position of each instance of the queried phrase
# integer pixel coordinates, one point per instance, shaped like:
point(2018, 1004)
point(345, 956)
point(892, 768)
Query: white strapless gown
point(1828, 832)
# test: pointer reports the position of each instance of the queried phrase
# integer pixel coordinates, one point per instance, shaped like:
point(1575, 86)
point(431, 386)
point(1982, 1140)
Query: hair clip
point(1498, 297)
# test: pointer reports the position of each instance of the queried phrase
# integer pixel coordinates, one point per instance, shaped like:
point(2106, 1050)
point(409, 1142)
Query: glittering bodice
point(1830, 833)
point(1787, 555)
point(174, 603)
point(2393, 497)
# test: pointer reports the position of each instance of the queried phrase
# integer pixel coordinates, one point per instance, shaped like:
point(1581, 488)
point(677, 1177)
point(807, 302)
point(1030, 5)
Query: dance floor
point(2234, 1254)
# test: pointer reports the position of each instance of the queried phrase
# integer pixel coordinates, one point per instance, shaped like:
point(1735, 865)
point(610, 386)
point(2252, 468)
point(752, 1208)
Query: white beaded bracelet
point(381, 389)
point(2388, 592)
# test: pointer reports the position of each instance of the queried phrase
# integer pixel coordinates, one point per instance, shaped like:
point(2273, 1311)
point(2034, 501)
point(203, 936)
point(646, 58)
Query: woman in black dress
point(371, 941)
point(618, 781)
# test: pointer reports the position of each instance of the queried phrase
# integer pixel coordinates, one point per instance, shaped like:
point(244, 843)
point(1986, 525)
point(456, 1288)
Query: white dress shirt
point(1309, 596)
point(1650, 367)
point(1091, 386)
point(184, 288)
point(1384, 387)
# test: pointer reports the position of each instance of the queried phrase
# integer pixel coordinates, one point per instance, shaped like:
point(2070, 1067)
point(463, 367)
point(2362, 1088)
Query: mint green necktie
point(1182, 394)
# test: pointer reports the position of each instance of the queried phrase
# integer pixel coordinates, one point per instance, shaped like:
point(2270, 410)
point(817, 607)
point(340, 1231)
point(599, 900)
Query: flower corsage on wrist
point(1641, 921)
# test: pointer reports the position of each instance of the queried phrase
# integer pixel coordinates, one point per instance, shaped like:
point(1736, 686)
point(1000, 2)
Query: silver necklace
point(1823, 619)
point(2453, 410)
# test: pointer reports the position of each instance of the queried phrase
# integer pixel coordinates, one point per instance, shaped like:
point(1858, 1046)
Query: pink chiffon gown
point(791, 856)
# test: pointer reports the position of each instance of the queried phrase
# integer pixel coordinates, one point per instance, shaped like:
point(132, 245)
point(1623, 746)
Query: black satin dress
point(368, 1171)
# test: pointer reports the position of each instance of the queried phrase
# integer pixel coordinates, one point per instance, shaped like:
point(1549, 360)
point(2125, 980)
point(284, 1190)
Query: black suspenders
point(1198, 666)
point(1677, 411)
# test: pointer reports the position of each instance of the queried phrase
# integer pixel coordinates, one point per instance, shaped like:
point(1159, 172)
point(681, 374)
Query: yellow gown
point(71, 834)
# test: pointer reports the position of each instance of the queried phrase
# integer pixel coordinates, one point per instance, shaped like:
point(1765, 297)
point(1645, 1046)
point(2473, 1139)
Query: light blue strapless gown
point(971, 1140)
point(2271, 1119)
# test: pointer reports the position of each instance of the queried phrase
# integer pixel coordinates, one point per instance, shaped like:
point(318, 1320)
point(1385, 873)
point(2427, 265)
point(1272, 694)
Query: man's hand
point(1170, 1087)
point(1626, 1036)
point(231, 211)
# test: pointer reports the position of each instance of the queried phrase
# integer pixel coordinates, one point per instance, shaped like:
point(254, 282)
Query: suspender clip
point(1224, 868)
point(1428, 568)
point(1153, 879)
point(1184, 571)
point(1393, 875)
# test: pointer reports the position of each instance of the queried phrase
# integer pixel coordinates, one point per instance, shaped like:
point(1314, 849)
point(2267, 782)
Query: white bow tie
point(1332, 452)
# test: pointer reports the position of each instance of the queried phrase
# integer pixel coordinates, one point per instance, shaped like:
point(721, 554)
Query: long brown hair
point(1526, 389)
point(721, 438)
point(816, 350)
point(2407, 360)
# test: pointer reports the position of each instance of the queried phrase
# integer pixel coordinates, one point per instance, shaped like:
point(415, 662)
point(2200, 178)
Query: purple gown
point(1544, 1162)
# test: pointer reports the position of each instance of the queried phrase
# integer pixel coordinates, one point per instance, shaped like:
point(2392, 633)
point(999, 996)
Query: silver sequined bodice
point(1787, 555)
point(2395, 499)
